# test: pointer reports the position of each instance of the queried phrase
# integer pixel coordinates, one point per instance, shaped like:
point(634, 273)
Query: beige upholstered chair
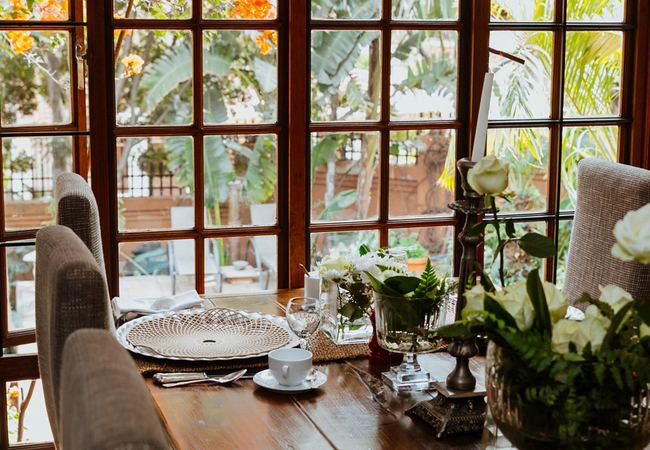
point(76, 208)
point(71, 294)
point(105, 404)
point(606, 192)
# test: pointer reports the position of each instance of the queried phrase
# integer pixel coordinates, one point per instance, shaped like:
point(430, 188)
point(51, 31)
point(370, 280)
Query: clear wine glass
point(304, 317)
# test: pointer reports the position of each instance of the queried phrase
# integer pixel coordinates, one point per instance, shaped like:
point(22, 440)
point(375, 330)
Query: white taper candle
point(478, 151)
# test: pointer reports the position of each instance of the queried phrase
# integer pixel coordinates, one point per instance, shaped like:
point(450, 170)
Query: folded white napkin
point(187, 299)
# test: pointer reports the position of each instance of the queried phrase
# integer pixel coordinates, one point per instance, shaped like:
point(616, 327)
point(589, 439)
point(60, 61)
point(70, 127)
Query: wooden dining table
point(354, 409)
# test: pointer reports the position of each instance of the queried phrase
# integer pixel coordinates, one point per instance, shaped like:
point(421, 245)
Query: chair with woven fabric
point(71, 293)
point(606, 192)
point(265, 248)
point(76, 208)
point(105, 403)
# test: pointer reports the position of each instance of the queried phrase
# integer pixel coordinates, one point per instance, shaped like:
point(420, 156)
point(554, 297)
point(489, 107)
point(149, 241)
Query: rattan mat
point(319, 344)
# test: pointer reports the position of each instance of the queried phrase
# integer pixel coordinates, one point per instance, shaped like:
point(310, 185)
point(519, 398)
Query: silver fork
point(220, 380)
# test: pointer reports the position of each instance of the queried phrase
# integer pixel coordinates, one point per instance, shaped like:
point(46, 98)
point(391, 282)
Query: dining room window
point(226, 142)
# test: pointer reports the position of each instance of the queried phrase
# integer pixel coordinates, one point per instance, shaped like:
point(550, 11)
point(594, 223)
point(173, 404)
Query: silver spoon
point(224, 379)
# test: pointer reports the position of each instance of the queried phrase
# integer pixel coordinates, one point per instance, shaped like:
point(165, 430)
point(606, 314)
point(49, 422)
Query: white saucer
point(266, 380)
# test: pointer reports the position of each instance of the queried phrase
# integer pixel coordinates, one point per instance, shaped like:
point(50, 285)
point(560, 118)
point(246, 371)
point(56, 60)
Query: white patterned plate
point(123, 333)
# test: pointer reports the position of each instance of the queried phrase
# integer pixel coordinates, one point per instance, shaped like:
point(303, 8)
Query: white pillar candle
point(478, 151)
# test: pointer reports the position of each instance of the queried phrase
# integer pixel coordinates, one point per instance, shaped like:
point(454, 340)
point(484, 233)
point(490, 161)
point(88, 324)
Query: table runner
point(319, 344)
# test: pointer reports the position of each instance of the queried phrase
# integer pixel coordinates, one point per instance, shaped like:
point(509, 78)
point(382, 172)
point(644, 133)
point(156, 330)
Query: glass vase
point(346, 312)
point(532, 425)
point(406, 326)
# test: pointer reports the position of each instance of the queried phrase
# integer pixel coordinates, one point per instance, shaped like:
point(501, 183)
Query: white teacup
point(290, 366)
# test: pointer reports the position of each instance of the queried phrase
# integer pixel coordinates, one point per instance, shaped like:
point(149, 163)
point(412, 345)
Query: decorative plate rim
point(123, 331)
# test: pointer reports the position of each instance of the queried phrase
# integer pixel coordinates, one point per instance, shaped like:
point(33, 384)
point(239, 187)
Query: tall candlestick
point(481, 126)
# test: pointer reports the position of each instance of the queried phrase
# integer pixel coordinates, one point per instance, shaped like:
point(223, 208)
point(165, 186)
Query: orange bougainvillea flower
point(269, 34)
point(14, 392)
point(252, 9)
point(266, 47)
point(52, 10)
point(133, 64)
point(21, 41)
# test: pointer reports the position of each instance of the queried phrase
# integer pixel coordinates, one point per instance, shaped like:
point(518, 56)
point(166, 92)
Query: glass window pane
point(522, 10)
point(156, 181)
point(344, 176)
point(34, 425)
point(564, 237)
point(526, 150)
point(345, 75)
point(35, 78)
point(341, 243)
point(424, 68)
point(166, 9)
point(240, 9)
point(592, 11)
point(593, 73)
point(30, 167)
point(579, 143)
point(20, 287)
point(518, 263)
point(156, 268)
point(240, 180)
point(521, 91)
point(417, 163)
point(240, 76)
point(25, 349)
point(247, 264)
point(420, 244)
point(425, 9)
point(46, 10)
point(153, 78)
point(350, 9)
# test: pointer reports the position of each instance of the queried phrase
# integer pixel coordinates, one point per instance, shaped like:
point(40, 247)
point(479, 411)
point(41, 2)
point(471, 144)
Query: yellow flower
point(133, 64)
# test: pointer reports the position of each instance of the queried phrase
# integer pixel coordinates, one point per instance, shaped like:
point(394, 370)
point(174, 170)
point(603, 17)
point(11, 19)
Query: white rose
point(595, 325)
point(488, 176)
point(556, 301)
point(632, 235)
point(330, 263)
point(565, 331)
point(614, 296)
point(474, 299)
point(515, 300)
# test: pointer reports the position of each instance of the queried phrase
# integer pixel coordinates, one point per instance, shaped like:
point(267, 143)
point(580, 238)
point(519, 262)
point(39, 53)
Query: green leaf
point(643, 308)
point(261, 172)
point(477, 229)
point(486, 282)
point(266, 74)
point(430, 282)
point(402, 283)
point(535, 290)
point(613, 326)
point(364, 249)
point(537, 245)
point(322, 152)
point(454, 329)
point(381, 287)
point(510, 228)
point(166, 73)
point(493, 307)
point(214, 109)
point(341, 201)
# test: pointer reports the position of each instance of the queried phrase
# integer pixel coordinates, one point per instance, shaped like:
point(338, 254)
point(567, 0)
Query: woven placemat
point(319, 344)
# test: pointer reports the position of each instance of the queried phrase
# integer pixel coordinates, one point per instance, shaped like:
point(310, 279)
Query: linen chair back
point(71, 293)
point(105, 403)
point(76, 209)
point(606, 192)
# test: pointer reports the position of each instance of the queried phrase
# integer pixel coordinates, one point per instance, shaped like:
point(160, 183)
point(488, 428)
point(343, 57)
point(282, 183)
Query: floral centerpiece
point(348, 294)
point(558, 383)
point(408, 310)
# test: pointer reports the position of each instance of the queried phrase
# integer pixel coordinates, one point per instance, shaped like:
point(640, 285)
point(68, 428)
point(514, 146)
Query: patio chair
point(105, 403)
point(264, 247)
point(76, 208)
point(71, 293)
point(606, 192)
point(181, 252)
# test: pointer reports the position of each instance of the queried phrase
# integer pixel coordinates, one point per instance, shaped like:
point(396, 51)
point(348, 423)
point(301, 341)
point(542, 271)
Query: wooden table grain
point(353, 410)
